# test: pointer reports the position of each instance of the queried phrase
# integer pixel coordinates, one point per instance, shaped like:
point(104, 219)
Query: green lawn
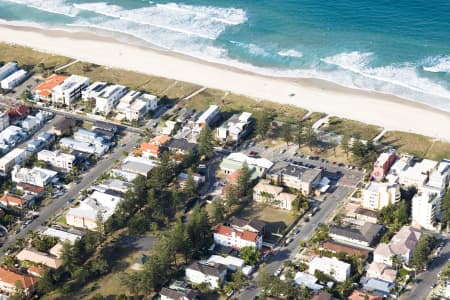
point(29, 57)
point(352, 128)
point(277, 219)
point(417, 145)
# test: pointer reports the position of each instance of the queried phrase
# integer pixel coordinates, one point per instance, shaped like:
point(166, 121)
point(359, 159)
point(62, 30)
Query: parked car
point(278, 271)
point(288, 241)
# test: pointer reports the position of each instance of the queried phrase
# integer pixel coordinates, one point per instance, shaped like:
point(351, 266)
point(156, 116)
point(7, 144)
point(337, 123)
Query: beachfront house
point(14, 79)
point(135, 105)
point(106, 96)
point(43, 91)
point(69, 90)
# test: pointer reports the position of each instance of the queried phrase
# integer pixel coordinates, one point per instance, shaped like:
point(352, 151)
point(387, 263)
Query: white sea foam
point(352, 61)
point(394, 79)
point(60, 7)
point(438, 64)
point(290, 53)
point(201, 21)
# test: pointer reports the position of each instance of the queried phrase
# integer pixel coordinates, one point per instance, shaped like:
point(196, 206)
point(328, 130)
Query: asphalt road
point(58, 204)
point(424, 281)
point(327, 208)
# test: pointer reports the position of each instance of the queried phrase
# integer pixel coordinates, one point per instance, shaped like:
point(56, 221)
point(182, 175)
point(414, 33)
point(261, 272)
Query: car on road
point(124, 145)
point(230, 293)
point(253, 153)
point(297, 231)
point(288, 241)
point(69, 200)
point(282, 151)
point(278, 271)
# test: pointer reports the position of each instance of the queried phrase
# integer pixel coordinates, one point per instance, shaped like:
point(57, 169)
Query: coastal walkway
point(195, 93)
point(379, 136)
point(67, 65)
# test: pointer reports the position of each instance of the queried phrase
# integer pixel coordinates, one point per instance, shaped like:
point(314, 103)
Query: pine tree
point(206, 142)
point(286, 133)
point(262, 123)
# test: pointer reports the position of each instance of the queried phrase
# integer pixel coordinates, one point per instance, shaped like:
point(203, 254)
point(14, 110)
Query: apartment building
point(380, 194)
point(426, 209)
point(383, 164)
point(57, 159)
point(106, 96)
point(16, 157)
point(8, 69)
point(135, 105)
point(273, 195)
point(333, 267)
point(236, 127)
point(208, 117)
point(43, 91)
point(36, 176)
point(14, 79)
point(70, 90)
point(236, 239)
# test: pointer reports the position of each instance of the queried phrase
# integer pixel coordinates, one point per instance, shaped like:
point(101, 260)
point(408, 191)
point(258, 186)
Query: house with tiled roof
point(43, 91)
point(401, 245)
point(17, 112)
point(36, 271)
point(39, 257)
point(364, 295)
point(154, 148)
point(9, 280)
point(211, 274)
point(236, 239)
point(8, 200)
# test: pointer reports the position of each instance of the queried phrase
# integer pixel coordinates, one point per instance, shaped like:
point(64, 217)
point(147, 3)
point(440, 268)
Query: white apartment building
point(36, 176)
point(8, 69)
point(70, 90)
point(134, 105)
point(15, 157)
point(425, 209)
point(107, 97)
point(57, 159)
point(206, 118)
point(97, 204)
point(380, 194)
point(14, 79)
point(332, 267)
point(236, 127)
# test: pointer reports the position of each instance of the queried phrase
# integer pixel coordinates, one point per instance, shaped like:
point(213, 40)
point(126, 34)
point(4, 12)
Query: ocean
point(399, 47)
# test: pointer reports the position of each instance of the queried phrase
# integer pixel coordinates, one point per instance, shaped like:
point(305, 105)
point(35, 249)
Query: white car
point(278, 271)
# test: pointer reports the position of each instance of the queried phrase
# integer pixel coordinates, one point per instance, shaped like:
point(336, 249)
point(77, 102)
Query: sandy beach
point(390, 112)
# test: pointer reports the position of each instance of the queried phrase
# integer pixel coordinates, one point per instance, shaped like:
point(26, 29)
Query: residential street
point(57, 204)
point(425, 280)
point(327, 208)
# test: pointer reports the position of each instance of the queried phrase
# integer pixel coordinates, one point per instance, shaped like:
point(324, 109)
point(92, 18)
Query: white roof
point(227, 261)
point(205, 115)
point(14, 76)
point(128, 176)
point(241, 157)
point(16, 152)
point(332, 262)
point(308, 280)
point(62, 235)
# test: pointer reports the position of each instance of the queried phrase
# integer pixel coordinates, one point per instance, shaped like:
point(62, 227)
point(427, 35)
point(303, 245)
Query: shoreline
point(387, 111)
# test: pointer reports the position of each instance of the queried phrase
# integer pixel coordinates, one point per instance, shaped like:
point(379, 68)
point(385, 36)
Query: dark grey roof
point(238, 222)
point(211, 270)
point(367, 212)
point(182, 144)
point(105, 126)
point(367, 233)
point(257, 224)
point(179, 294)
point(105, 133)
point(288, 169)
point(64, 124)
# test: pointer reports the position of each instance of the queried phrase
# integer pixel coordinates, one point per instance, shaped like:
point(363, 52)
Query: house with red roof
point(154, 148)
point(8, 200)
point(43, 91)
point(18, 112)
point(9, 280)
point(235, 238)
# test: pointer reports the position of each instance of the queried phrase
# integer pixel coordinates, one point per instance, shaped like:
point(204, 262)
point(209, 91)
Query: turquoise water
point(395, 47)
